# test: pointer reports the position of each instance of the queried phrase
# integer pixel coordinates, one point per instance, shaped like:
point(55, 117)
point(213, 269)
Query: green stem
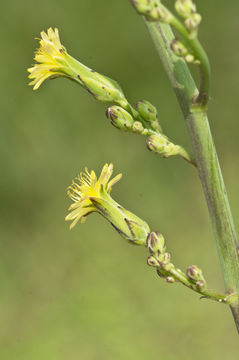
point(206, 159)
point(206, 293)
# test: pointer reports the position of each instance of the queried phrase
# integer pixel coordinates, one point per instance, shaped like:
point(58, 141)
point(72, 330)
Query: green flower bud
point(151, 261)
point(164, 261)
point(146, 110)
point(120, 118)
point(201, 285)
point(190, 58)
point(166, 258)
point(156, 243)
point(152, 9)
point(161, 145)
point(138, 128)
point(185, 8)
point(193, 21)
point(194, 273)
point(179, 48)
point(147, 8)
point(164, 14)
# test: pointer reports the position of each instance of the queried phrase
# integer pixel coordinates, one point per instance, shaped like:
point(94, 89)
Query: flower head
point(50, 57)
point(90, 194)
point(86, 189)
point(54, 61)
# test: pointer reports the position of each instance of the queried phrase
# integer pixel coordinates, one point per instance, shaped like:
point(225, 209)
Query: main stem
point(206, 159)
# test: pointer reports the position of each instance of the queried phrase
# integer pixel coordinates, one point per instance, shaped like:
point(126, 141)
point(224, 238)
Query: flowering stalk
point(53, 61)
point(90, 194)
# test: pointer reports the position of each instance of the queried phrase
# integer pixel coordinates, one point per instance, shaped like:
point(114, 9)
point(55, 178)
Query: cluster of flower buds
point(159, 257)
point(194, 274)
point(124, 121)
point(187, 10)
point(53, 61)
point(145, 122)
point(181, 50)
point(153, 10)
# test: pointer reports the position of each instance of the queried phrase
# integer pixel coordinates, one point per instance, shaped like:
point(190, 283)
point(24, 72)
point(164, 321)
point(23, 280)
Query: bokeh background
point(87, 294)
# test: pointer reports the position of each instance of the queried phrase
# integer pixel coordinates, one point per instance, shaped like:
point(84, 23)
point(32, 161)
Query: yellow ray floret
point(86, 190)
point(50, 58)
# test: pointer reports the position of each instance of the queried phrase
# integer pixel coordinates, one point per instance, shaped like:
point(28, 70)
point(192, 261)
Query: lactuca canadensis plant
point(175, 35)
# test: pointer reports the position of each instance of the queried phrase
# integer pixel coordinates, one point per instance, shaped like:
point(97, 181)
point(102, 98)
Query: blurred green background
point(87, 294)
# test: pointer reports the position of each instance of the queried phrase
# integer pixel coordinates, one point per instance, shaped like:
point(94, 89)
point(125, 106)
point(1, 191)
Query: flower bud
point(194, 273)
point(120, 118)
point(170, 279)
point(151, 261)
point(146, 8)
point(152, 9)
point(156, 243)
point(164, 15)
point(165, 263)
point(179, 48)
point(161, 145)
point(193, 21)
point(166, 258)
point(146, 110)
point(185, 8)
point(190, 58)
point(201, 285)
point(138, 128)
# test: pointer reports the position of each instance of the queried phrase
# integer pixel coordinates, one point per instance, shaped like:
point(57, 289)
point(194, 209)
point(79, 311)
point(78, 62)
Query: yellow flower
point(54, 61)
point(90, 194)
point(86, 189)
point(51, 59)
